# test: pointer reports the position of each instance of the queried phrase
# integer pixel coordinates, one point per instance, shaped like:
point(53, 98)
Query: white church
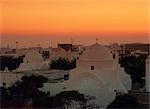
point(98, 74)
point(33, 61)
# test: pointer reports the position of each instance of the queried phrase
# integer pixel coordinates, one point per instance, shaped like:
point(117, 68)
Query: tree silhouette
point(22, 91)
point(64, 100)
point(135, 66)
point(124, 102)
point(10, 62)
point(27, 91)
point(63, 64)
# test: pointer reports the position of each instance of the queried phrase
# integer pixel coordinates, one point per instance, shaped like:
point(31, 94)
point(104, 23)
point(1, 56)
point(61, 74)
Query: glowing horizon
point(122, 21)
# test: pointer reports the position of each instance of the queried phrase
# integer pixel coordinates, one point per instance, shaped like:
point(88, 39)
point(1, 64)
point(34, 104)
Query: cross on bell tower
point(96, 40)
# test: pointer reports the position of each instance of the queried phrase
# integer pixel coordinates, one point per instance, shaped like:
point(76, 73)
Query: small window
point(66, 77)
point(92, 67)
point(114, 56)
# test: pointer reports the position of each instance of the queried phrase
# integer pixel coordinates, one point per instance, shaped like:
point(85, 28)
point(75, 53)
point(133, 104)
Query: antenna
point(39, 45)
point(7, 46)
point(16, 45)
point(72, 41)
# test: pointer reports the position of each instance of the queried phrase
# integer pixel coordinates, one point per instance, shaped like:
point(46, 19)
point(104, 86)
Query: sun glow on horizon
point(122, 18)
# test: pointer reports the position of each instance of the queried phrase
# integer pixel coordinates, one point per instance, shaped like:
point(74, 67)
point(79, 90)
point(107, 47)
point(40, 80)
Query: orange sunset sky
point(32, 22)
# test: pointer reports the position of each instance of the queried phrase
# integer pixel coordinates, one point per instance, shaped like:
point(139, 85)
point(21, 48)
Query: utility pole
point(16, 45)
point(71, 41)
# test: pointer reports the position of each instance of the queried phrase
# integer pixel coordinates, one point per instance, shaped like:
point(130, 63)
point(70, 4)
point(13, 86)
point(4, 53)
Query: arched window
point(92, 67)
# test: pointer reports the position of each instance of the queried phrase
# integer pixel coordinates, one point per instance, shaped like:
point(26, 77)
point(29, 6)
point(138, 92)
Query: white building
point(98, 74)
point(33, 61)
point(59, 52)
point(148, 74)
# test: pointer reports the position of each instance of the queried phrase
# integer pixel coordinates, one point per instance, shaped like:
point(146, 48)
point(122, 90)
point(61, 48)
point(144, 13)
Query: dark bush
point(63, 64)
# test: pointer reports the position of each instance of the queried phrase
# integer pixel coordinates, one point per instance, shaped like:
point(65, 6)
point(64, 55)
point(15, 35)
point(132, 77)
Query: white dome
point(57, 53)
point(96, 52)
point(33, 57)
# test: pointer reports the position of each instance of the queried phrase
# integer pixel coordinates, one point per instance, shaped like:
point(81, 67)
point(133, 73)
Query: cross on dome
point(96, 40)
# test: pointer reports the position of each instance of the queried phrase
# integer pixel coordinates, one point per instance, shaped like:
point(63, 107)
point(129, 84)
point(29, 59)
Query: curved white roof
point(58, 52)
point(96, 52)
point(33, 57)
